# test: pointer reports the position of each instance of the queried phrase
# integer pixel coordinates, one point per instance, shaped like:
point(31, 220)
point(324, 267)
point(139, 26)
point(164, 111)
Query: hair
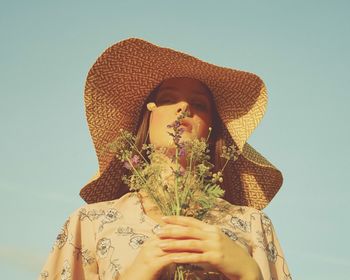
point(216, 140)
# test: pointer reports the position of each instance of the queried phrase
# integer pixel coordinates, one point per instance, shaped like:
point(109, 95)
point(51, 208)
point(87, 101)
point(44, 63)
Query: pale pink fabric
point(100, 240)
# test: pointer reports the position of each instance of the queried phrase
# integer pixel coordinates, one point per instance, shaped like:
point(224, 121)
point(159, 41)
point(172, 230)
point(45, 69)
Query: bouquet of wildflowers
point(177, 190)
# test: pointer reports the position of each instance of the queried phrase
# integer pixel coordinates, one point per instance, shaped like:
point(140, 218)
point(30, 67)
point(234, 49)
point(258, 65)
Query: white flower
point(44, 275)
point(137, 240)
point(111, 215)
point(61, 239)
point(271, 252)
point(103, 246)
point(265, 220)
point(66, 273)
point(229, 233)
point(125, 230)
point(87, 258)
point(241, 224)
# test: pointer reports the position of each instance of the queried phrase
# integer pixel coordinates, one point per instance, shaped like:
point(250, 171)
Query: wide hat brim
point(120, 81)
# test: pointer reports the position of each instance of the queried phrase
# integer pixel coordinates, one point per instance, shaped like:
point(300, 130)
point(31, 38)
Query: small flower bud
point(151, 106)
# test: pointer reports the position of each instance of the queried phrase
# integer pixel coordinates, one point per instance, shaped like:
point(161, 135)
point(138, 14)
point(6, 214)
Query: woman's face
point(174, 96)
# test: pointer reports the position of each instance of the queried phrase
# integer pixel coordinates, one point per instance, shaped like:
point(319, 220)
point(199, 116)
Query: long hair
point(216, 140)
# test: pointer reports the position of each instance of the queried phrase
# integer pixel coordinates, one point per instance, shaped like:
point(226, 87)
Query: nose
point(183, 106)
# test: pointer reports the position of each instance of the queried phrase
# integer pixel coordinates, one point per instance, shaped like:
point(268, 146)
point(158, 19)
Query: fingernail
point(176, 258)
point(163, 244)
point(160, 231)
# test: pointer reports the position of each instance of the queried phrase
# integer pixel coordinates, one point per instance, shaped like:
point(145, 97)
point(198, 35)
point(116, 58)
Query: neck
point(170, 154)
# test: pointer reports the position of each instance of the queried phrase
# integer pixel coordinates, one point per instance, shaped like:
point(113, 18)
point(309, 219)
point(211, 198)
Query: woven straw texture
point(122, 78)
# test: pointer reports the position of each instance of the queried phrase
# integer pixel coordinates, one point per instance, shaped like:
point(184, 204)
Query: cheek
point(158, 132)
point(156, 120)
point(204, 125)
point(204, 130)
point(162, 117)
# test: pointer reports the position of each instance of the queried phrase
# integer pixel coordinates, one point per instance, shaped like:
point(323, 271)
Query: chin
point(188, 136)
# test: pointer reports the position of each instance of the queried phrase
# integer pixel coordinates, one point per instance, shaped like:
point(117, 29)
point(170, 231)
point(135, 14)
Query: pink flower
point(135, 160)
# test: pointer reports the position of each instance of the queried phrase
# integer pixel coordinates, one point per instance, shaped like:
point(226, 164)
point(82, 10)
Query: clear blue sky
point(300, 49)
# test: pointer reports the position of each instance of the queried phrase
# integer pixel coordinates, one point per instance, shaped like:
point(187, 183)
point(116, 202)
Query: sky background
point(299, 48)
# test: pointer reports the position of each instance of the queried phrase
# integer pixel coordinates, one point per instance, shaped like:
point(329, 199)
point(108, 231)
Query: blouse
point(100, 240)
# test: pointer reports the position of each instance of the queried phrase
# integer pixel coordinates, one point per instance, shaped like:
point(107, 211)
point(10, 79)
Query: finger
point(210, 258)
point(213, 232)
point(182, 232)
point(188, 257)
point(188, 245)
point(187, 221)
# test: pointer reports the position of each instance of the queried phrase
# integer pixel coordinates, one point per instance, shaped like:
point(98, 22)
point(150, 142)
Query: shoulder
point(110, 207)
point(226, 207)
point(99, 216)
point(242, 218)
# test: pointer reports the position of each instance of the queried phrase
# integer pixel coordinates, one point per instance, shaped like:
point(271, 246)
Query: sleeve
point(267, 251)
point(73, 254)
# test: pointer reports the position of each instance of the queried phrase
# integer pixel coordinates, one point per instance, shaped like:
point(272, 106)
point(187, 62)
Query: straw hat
point(120, 81)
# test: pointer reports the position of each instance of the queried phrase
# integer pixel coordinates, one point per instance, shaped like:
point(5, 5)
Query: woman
point(121, 234)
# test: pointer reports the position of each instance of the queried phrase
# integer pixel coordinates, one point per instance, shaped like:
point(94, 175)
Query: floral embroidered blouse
point(100, 240)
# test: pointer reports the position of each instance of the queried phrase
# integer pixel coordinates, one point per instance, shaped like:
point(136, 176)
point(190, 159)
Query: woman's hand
point(192, 241)
point(149, 262)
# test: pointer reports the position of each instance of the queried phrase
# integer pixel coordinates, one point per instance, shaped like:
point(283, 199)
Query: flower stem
point(133, 146)
point(187, 186)
point(135, 170)
point(176, 183)
point(179, 273)
point(222, 169)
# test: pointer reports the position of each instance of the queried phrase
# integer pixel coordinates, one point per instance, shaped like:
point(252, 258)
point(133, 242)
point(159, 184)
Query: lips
point(186, 125)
